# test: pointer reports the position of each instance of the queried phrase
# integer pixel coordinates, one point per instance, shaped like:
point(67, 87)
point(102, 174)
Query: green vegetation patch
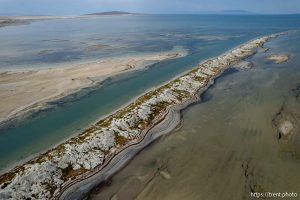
point(70, 173)
point(120, 140)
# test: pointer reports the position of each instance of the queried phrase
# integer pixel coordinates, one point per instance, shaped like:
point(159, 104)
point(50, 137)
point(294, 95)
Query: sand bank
point(278, 58)
point(18, 20)
point(21, 91)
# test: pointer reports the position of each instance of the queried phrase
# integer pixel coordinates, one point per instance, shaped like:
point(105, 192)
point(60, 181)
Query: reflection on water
point(228, 145)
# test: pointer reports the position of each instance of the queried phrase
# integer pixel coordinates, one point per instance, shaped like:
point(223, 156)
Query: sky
point(77, 7)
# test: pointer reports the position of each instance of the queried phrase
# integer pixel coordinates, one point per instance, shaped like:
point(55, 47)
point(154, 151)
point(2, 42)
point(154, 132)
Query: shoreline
point(241, 53)
point(169, 121)
point(84, 74)
point(7, 20)
point(183, 152)
point(23, 20)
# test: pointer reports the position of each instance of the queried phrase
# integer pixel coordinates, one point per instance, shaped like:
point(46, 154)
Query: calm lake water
point(228, 144)
point(55, 42)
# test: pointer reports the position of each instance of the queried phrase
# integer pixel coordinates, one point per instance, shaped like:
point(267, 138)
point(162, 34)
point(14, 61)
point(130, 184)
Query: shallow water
point(228, 144)
point(203, 36)
point(55, 42)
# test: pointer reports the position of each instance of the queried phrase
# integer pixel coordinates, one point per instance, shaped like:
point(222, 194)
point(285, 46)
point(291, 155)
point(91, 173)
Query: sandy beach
point(22, 90)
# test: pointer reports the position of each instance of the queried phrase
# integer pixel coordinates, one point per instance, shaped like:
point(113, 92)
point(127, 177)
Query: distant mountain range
point(222, 12)
point(228, 12)
point(112, 13)
point(235, 12)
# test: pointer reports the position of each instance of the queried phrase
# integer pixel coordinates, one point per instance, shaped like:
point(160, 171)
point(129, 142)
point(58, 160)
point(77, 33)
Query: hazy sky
point(70, 7)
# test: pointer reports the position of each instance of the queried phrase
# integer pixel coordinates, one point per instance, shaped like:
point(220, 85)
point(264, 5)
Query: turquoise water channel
point(203, 37)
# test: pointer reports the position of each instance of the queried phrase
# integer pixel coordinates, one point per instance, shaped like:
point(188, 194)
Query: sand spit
point(18, 20)
point(280, 58)
point(22, 91)
point(72, 168)
point(6, 21)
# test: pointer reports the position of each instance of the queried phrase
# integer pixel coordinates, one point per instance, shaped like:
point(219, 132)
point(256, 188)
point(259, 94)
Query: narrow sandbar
point(23, 90)
point(17, 20)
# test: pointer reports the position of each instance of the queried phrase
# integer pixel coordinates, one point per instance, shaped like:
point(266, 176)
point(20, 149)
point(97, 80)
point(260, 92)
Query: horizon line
point(137, 13)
